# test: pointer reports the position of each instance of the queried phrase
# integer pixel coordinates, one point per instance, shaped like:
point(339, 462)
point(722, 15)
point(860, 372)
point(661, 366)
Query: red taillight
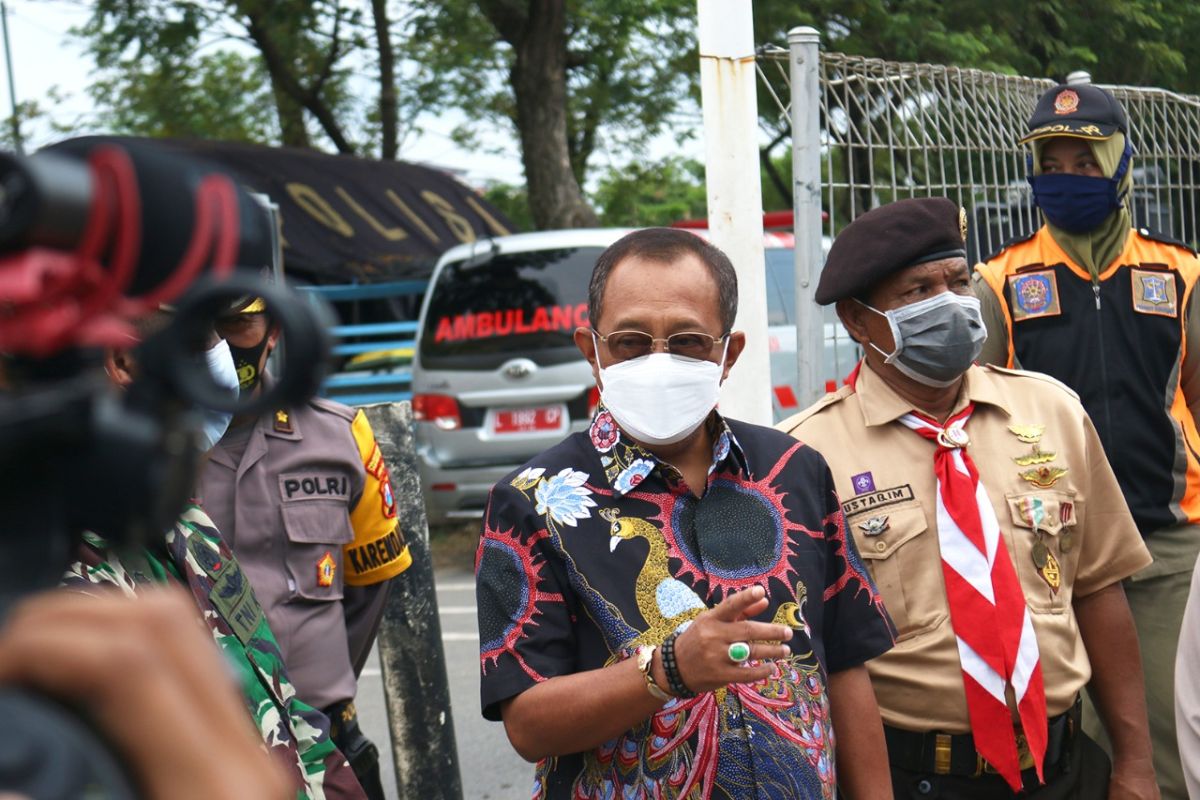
point(593, 400)
point(440, 409)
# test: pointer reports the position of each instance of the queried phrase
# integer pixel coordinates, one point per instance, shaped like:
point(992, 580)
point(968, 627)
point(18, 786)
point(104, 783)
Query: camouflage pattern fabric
point(194, 554)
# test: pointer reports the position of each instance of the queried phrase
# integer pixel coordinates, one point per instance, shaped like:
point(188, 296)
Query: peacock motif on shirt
point(666, 603)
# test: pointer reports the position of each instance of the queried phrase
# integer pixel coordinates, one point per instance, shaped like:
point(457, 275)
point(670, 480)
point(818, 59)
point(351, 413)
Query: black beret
point(888, 239)
point(1082, 110)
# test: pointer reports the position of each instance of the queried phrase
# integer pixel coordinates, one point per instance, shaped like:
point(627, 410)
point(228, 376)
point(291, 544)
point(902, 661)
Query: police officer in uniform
point(1110, 311)
point(992, 524)
point(303, 497)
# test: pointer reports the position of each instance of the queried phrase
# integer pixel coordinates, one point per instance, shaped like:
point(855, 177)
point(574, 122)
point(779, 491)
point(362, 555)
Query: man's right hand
point(702, 651)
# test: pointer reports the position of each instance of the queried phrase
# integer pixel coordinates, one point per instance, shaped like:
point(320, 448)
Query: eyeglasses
point(626, 345)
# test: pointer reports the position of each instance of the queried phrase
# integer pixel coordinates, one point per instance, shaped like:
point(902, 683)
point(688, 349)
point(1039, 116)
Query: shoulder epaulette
point(1157, 236)
point(794, 421)
point(1025, 237)
point(333, 407)
point(1037, 376)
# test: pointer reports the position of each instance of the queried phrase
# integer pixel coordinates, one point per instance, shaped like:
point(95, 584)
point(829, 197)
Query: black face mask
point(247, 359)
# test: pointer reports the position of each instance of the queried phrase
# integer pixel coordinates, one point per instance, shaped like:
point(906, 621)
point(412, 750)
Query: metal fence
point(888, 130)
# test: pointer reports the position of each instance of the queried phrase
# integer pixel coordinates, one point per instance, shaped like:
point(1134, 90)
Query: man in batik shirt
point(669, 604)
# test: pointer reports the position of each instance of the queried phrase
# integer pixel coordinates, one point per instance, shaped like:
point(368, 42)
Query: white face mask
point(661, 399)
point(224, 374)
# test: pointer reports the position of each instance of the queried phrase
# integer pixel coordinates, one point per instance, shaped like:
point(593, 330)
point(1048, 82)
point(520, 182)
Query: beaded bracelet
point(671, 668)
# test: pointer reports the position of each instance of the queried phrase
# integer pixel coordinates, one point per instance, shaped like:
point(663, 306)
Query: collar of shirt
point(626, 463)
point(880, 404)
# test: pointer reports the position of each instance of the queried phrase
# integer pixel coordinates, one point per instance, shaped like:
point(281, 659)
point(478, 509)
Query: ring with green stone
point(739, 652)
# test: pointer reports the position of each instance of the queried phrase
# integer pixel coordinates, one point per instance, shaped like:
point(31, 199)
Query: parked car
point(496, 376)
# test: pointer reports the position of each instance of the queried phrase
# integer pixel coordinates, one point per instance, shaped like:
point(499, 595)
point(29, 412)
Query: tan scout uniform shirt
point(308, 511)
point(893, 515)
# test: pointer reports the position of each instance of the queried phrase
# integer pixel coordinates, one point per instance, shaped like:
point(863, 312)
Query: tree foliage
point(656, 193)
point(157, 58)
point(568, 77)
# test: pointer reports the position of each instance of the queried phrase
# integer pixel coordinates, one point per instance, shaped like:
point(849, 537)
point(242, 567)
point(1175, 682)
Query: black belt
point(955, 754)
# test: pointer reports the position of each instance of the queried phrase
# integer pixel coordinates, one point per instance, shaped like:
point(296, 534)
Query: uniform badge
point(283, 422)
point(1029, 434)
point(1037, 456)
point(1032, 511)
point(1067, 102)
point(1066, 512)
point(953, 438)
point(389, 500)
point(874, 526)
point(1034, 295)
point(1043, 477)
point(1154, 293)
point(1051, 573)
point(863, 482)
point(326, 569)
point(962, 222)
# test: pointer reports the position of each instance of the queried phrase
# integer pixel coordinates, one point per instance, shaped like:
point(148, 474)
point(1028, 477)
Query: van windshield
point(483, 312)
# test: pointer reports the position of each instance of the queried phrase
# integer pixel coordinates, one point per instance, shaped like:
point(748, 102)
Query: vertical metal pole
point(730, 103)
point(411, 657)
point(804, 63)
point(18, 145)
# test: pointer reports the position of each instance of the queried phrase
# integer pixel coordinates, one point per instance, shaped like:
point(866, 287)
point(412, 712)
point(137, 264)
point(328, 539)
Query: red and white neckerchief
point(996, 643)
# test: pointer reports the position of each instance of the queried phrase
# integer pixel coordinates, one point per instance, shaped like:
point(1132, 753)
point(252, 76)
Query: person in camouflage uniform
point(194, 554)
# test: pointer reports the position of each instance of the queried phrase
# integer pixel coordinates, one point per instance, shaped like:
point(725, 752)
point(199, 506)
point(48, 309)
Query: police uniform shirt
point(308, 510)
point(1035, 448)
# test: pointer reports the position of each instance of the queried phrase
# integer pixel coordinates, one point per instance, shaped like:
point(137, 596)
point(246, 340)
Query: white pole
point(806, 204)
point(730, 102)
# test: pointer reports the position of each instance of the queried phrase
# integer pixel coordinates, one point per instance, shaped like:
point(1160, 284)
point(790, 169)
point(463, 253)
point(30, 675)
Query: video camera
point(95, 235)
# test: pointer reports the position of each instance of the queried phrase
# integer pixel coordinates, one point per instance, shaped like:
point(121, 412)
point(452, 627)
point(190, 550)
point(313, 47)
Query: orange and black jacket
point(1121, 341)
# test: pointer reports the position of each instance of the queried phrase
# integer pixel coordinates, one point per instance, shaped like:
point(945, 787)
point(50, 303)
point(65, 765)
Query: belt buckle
point(1024, 755)
point(1024, 758)
point(941, 753)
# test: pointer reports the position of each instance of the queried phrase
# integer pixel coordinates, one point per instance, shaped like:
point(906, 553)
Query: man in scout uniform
point(1110, 311)
point(990, 520)
point(303, 497)
point(192, 553)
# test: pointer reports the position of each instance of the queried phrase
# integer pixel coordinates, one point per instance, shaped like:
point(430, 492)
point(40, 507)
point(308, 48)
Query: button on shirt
point(595, 547)
point(1044, 470)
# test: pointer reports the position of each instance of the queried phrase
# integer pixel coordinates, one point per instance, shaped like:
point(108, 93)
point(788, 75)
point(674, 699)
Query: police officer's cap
point(1083, 111)
point(888, 239)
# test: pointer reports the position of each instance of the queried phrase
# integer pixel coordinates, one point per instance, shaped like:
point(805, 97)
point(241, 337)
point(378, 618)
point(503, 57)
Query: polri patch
point(877, 499)
point(1034, 295)
point(1154, 293)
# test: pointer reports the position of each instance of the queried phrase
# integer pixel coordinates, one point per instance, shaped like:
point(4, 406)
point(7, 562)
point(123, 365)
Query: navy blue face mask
point(1079, 203)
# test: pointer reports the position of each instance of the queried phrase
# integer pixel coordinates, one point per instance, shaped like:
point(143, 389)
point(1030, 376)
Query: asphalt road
point(491, 770)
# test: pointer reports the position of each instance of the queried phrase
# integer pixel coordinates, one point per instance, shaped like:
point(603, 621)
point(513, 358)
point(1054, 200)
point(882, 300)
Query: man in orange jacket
point(1109, 310)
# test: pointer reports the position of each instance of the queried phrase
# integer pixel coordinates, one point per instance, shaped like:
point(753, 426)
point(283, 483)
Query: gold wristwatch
point(645, 658)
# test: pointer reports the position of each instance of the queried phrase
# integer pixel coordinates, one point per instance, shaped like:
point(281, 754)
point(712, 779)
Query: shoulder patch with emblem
point(1034, 295)
point(1154, 292)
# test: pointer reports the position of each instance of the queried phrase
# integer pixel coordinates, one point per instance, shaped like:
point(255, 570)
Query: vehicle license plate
point(528, 420)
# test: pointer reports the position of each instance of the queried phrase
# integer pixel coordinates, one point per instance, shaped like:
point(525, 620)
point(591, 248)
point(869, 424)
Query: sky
point(45, 56)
